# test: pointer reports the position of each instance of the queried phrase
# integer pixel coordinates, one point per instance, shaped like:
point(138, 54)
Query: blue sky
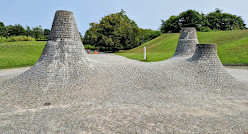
point(146, 13)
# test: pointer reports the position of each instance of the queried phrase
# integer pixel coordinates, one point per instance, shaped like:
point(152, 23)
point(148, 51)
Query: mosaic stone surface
point(69, 91)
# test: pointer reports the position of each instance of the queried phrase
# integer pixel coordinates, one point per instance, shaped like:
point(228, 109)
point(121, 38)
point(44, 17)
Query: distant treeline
point(117, 31)
point(17, 30)
point(216, 20)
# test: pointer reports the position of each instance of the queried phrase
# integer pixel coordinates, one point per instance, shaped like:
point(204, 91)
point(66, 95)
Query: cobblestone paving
point(68, 91)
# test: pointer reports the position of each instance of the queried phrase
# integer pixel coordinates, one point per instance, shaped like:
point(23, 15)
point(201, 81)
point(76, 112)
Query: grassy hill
point(232, 49)
point(20, 54)
point(232, 46)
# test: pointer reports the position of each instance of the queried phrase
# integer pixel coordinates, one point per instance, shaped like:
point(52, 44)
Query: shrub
point(19, 38)
point(149, 34)
point(2, 39)
point(205, 29)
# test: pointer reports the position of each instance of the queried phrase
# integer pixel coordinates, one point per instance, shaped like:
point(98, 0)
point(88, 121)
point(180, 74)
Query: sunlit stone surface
point(68, 91)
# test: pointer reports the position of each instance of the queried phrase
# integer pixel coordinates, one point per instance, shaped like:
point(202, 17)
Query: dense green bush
point(205, 29)
point(2, 39)
point(3, 30)
point(16, 38)
point(89, 47)
point(148, 34)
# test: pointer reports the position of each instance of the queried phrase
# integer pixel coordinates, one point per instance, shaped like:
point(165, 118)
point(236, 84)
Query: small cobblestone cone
point(206, 53)
point(208, 64)
point(186, 43)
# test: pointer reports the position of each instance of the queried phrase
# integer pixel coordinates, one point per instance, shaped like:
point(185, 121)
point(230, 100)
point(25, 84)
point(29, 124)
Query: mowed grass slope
point(232, 49)
point(20, 54)
point(232, 46)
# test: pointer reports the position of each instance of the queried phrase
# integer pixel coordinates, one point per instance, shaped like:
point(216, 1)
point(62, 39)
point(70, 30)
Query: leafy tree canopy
point(15, 30)
point(216, 20)
point(113, 32)
point(3, 30)
point(148, 34)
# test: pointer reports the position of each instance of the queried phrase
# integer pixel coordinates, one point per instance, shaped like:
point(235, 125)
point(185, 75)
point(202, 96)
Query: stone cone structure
point(65, 92)
point(187, 42)
point(206, 53)
point(208, 65)
point(63, 61)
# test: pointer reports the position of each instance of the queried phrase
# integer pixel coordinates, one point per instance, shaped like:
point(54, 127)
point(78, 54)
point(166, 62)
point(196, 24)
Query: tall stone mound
point(63, 61)
point(187, 42)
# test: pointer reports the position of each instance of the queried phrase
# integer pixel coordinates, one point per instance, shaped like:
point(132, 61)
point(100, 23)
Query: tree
point(15, 30)
point(224, 21)
point(191, 18)
point(113, 32)
point(148, 34)
point(82, 39)
point(171, 25)
point(3, 30)
point(46, 33)
point(213, 21)
point(38, 33)
point(29, 32)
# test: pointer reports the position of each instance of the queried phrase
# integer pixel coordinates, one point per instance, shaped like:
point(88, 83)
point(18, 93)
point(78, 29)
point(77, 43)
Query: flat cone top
point(186, 43)
point(205, 52)
point(64, 27)
point(188, 33)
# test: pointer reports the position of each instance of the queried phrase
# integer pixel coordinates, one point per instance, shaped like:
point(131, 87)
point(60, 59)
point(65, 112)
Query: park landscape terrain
point(181, 88)
point(232, 49)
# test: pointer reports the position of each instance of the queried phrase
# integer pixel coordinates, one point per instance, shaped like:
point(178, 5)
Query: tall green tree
point(191, 18)
point(46, 33)
point(148, 34)
point(113, 32)
point(171, 25)
point(38, 33)
point(215, 20)
point(224, 21)
point(3, 30)
point(29, 32)
point(15, 30)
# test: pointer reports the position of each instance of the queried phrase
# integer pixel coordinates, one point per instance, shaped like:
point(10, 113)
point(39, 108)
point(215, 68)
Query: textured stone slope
point(68, 91)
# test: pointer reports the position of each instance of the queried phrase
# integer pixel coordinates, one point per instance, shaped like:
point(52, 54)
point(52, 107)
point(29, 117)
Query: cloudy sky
point(146, 13)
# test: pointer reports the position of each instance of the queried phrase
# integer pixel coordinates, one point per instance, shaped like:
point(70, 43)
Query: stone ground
point(239, 72)
point(128, 96)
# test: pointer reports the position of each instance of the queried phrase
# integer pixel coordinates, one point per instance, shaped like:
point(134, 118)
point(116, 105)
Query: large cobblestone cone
point(62, 64)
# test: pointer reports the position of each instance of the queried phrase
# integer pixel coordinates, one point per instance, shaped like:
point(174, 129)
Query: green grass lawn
point(22, 53)
point(232, 49)
point(232, 46)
